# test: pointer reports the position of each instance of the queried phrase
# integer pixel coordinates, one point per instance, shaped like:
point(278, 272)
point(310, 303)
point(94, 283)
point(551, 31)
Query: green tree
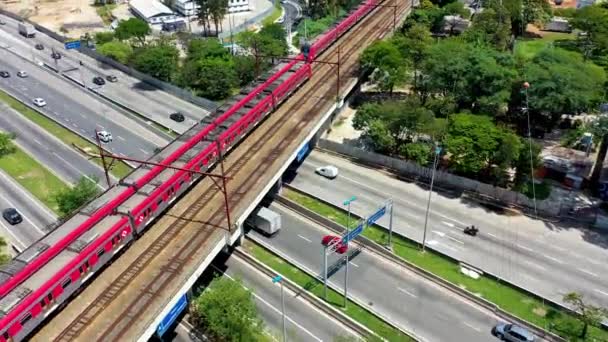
point(204, 15)
point(207, 48)
point(561, 82)
point(71, 199)
point(226, 310)
point(600, 132)
point(524, 12)
point(117, 50)
point(429, 16)
point(476, 146)
point(589, 315)
point(593, 21)
point(414, 46)
point(244, 67)
point(522, 165)
point(4, 258)
point(6, 144)
point(386, 60)
point(213, 78)
point(417, 152)
point(276, 33)
point(457, 8)
point(104, 37)
point(160, 60)
point(491, 27)
point(217, 11)
point(132, 28)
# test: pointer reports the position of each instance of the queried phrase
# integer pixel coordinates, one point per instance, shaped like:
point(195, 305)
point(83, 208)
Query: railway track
point(182, 230)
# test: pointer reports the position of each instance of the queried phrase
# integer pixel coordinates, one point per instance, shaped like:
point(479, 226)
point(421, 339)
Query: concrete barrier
point(306, 295)
point(383, 251)
point(333, 287)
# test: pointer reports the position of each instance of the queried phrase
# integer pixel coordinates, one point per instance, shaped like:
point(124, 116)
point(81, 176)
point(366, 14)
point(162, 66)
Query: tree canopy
point(158, 60)
point(132, 28)
point(593, 20)
point(385, 59)
point(226, 310)
point(117, 50)
point(72, 198)
point(6, 144)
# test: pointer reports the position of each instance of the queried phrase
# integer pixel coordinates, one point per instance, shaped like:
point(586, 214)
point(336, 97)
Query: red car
point(332, 239)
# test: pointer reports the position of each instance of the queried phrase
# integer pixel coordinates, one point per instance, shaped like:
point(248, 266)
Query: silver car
point(512, 333)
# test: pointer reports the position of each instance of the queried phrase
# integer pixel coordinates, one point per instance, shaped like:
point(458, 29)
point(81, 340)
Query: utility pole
point(278, 279)
point(428, 205)
point(347, 203)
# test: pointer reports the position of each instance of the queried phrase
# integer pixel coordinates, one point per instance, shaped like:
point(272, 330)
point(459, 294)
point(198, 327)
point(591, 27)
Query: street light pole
point(428, 205)
point(347, 202)
point(278, 279)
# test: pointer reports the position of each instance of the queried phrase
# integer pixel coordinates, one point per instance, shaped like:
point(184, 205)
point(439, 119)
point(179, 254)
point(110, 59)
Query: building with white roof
point(190, 8)
point(157, 14)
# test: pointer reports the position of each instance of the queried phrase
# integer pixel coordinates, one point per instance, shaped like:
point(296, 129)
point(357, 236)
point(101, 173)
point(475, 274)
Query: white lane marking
point(275, 309)
point(144, 151)
point(121, 138)
point(588, 272)
point(524, 247)
point(352, 263)
point(535, 265)
point(304, 238)
point(492, 235)
point(472, 327)
point(407, 292)
point(432, 242)
point(79, 171)
point(602, 292)
point(448, 224)
point(558, 248)
point(75, 125)
point(450, 247)
point(455, 240)
point(552, 258)
point(37, 142)
point(27, 194)
point(442, 234)
point(595, 262)
point(23, 245)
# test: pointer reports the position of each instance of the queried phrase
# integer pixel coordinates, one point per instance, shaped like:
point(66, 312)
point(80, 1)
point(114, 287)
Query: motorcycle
point(471, 230)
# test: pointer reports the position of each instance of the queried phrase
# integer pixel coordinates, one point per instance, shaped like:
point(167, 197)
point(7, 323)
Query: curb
point(335, 288)
point(381, 250)
point(306, 295)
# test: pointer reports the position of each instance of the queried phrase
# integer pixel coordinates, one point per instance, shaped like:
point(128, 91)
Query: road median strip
point(507, 299)
point(119, 170)
point(311, 283)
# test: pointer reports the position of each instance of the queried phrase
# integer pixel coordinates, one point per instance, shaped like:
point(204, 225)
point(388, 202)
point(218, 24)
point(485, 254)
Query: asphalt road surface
point(59, 158)
point(35, 215)
point(148, 101)
point(77, 110)
point(293, 11)
point(549, 259)
point(411, 301)
point(303, 322)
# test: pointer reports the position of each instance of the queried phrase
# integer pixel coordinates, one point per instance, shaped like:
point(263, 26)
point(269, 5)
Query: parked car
point(328, 171)
point(112, 78)
point(512, 333)
point(12, 216)
point(56, 55)
point(332, 239)
point(177, 117)
point(4, 74)
point(98, 80)
point(39, 101)
point(2, 22)
point(39, 46)
point(105, 136)
point(22, 74)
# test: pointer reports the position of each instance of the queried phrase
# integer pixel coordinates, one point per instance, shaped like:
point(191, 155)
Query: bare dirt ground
point(69, 17)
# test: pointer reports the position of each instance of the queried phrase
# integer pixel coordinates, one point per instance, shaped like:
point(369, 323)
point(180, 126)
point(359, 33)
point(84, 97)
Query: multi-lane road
point(412, 302)
point(150, 102)
point(549, 259)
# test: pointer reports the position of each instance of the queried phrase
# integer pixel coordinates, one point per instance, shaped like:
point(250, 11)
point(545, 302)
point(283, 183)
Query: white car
point(105, 136)
point(22, 74)
point(328, 171)
point(39, 101)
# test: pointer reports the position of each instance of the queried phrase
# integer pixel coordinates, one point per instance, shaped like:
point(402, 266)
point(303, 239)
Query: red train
point(44, 276)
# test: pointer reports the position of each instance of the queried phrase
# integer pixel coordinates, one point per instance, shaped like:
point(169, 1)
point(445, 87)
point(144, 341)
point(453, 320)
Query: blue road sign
point(277, 279)
point(74, 44)
point(172, 316)
point(376, 216)
point(302, 153)
point(352, 234)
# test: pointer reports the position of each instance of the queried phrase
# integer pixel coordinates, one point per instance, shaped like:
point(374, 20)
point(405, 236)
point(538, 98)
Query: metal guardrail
point(306, 295)
point(335, 288)
point(384, 252)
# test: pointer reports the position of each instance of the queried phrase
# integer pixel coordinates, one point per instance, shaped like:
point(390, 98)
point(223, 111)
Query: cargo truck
point(27, 30)
point(265, 221)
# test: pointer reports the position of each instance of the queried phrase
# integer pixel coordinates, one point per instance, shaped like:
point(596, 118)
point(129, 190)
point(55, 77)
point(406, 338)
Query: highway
point(59, 158)
point(411, 301)
point(293, 11)
point(143, 98)
point(77, 110)
point(547, 258)
point(35, 215)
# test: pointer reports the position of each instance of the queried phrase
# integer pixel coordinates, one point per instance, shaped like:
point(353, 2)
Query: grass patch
point(119, 169)
point(34, 177)
point(527, 48)
point(505, 296)
point(105, 13)
point(276, 14)
point(333, 298)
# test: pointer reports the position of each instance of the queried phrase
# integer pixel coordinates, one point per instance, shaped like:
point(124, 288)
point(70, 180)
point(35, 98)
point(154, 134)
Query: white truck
point(27, 30)
point(265, 221)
